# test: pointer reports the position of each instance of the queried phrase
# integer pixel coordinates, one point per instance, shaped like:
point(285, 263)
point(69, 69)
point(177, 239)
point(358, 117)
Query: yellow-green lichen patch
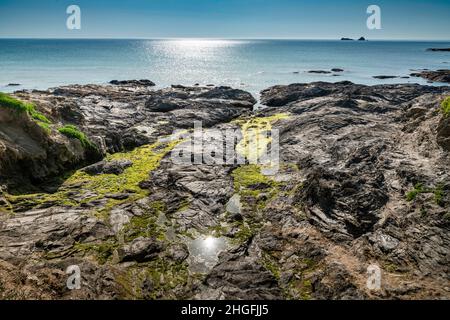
point(244, 234)
point(250, 182)
point(300, 286)
point(142, 226)
point(101, 251)
point(82, 188)
point(255, 190)
point(391, 267)
point(45, 126)
point(5, 205)
point(256, 136)
point(184, 205)
point(145, 159)
point(29, 201)
point(418, 189)
point(438, 193)
point(271, 265)
point(147, 225)
point(157, 279)
point(445, 107)
point(249, 175)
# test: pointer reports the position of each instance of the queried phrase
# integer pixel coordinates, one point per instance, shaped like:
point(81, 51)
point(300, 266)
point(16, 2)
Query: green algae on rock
point(7, 101)
point(445, 107)
point(95, 187)
point(256, 136)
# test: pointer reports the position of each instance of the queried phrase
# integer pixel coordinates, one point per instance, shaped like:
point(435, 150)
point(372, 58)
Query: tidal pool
point(204, 252)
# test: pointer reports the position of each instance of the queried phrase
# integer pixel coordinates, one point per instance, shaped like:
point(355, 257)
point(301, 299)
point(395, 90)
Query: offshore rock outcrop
point(363, 181)
point(438, 49)
point(361, 150)
point(442, 75)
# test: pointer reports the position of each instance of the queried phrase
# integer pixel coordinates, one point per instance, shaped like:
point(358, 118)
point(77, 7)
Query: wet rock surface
point(319, 71)
point(363, 180)
point(438, 49)
point(442, 75)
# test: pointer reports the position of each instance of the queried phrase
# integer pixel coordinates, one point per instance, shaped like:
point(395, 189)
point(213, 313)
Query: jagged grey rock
point(363, 180)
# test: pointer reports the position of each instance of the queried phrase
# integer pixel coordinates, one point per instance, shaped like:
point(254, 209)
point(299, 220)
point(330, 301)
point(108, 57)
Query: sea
point(251, 65)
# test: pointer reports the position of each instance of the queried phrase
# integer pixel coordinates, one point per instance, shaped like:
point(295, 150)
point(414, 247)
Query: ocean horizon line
point(226, 38)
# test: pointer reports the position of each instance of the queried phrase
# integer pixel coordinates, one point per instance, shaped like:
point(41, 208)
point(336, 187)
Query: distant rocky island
point(442, 75)
point(438, 49)
point(350, 39)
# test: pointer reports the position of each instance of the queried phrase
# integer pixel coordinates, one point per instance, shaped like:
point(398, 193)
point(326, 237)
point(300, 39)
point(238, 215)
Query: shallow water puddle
point(204, 252)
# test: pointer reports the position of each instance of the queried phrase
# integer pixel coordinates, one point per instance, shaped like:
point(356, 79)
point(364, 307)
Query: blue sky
point(303, 19)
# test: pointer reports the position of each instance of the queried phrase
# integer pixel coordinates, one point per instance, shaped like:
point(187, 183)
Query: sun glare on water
point(209, 243)
point(194, 48)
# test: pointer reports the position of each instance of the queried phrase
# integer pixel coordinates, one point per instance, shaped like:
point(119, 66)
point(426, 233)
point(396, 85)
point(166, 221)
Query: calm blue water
point(251, 65)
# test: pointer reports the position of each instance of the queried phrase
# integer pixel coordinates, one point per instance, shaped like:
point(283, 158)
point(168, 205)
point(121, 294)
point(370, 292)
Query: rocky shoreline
point(442, 75)
point(363, 181)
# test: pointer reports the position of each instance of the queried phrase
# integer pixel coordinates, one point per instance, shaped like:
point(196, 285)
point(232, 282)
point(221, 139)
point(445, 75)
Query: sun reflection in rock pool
point(204, 252)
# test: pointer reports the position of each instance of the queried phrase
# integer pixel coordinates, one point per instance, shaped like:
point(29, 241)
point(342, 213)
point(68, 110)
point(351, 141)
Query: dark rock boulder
point(166, 105)
point(277, 96)
point(241, 277)
point(108, 167)
point(178, 252)
point(443, 133)
point(438, 49)
point(186, 98)
point(350, 203)
point(442, 75)
point(227, 93)
point(384, 77)
point(141, 250)
point(378, 190)
point(144, 83)
point(282, 95)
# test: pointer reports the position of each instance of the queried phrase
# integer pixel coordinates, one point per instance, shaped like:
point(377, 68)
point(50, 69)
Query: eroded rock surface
point(363, 181)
